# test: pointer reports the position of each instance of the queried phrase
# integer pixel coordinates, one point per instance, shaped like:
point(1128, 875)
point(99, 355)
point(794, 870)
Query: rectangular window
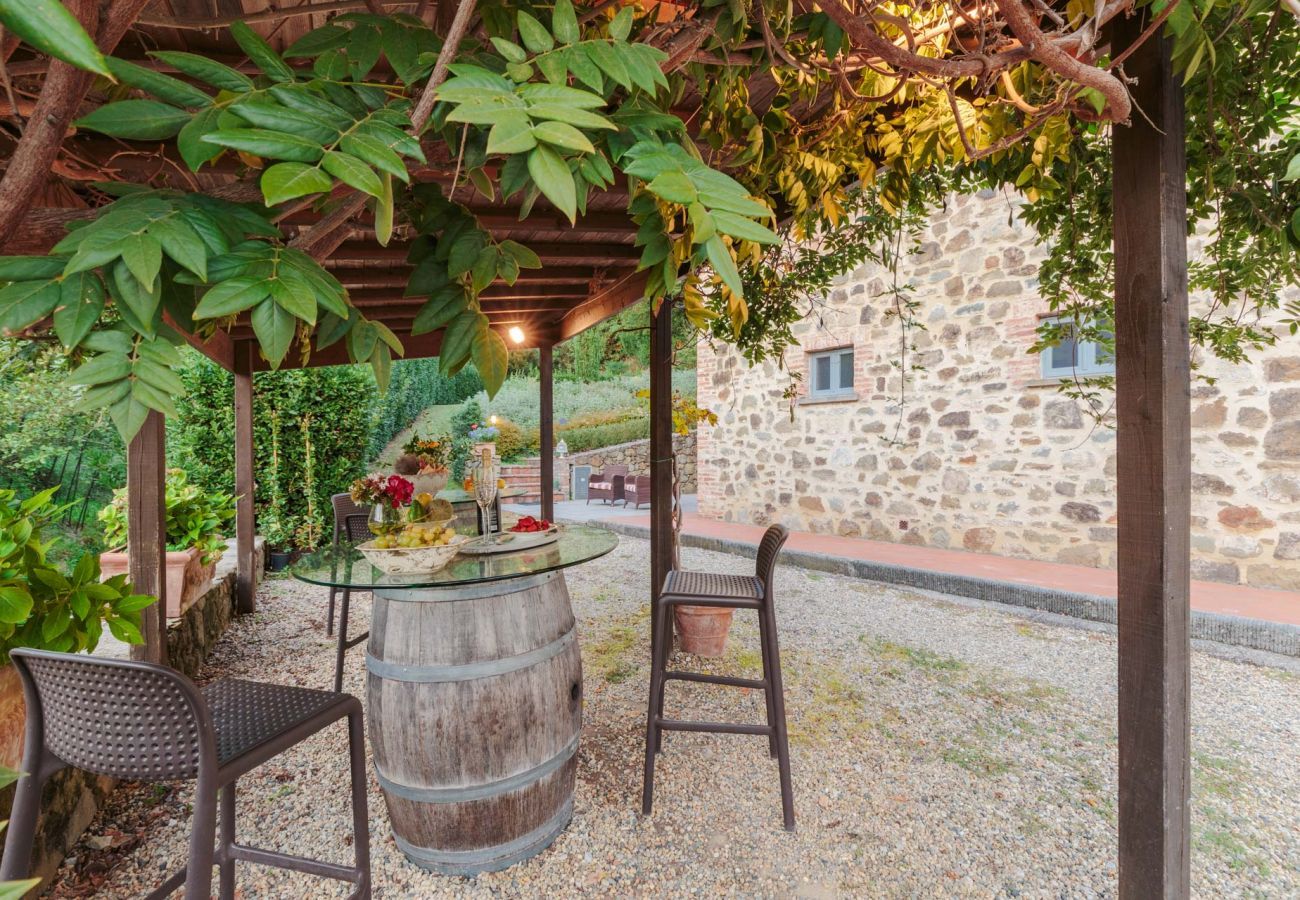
point(832, 373)
point(1075, 356)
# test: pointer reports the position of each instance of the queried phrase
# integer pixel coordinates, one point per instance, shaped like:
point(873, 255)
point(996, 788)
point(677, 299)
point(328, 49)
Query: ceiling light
point(516, 334)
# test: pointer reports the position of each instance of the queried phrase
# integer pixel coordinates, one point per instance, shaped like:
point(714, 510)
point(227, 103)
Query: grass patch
point(1238, 852)
point(833, 708)
point(915, 657)
point(1034, 695)
point(609, 656)
point(1216, 776)
point(976, 758)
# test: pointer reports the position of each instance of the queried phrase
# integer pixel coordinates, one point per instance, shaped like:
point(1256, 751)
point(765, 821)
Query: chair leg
point(360, 815)
point(226, 863)
point(21, 832)
point(203, 831)
point(769, 692)
point(665, 650)
point(656, 699)
point(778, 701)
point(329, 620)
point(342, 649)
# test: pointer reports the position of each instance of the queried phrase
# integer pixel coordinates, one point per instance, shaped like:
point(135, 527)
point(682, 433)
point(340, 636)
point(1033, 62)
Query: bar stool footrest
point(712, 727)
point(758, 684)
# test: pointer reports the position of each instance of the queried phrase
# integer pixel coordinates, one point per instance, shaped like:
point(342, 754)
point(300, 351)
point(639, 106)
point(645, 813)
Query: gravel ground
point(940, 748)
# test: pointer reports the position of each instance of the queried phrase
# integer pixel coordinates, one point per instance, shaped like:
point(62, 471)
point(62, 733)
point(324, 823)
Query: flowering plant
point(433, 453)
point(484, 433)
point(390, 490)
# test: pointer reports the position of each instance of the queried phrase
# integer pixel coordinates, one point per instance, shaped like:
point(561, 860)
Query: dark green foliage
point(416, 385)
point(333, 406)
point(461, 444)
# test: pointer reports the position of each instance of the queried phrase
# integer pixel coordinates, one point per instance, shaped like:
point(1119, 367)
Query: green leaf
point(438, 311)
point(25, 302)
point(274, 327)
point(50, 28)
point(458, 339)
point(289, 180)
point(472, 84)
point(314, 43)
point(488, 113)
point(384, 212)
point(484, 270)
point(143, 257)
point(483, 184)
point(303, 99)
point(526, 258)
point(101, 369)
point(81, 302)
point(364, 46)
point(164, 87)
point(264, 143)
point(1295, 224)
point(674, 186)
point(745, 229)
point(15, 605)
point(260, 52)
point(514, 135)
point(621, 26)
point(206, 70)
point(284, 119)
point(30, 268)
point(233, 296)
point(351, 171)
point(553, 67)
point(122, 629)
point(1293, 169)
point(564, 23)
point(376, 153)
point(559, 94)
point(292, 299)
point(138, 305)
point(491, 359)
point(611, 63)
point(137, 120)
point(464, 251)
point(193, 149)
point(535, 36)
point(563, 135)
point(580, 63)
point(510, 50)
point(552, 176)
point(580, 118)
point(723, 264)
point(182, 243)
point(159, 375)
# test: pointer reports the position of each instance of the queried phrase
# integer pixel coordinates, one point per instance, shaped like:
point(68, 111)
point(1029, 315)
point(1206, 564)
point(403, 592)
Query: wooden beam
point(603, 304)
point(146, 535)
point(392, 276)
point(1154, 473)
point(245, 516)
point(578, 253)
point(546, 428)
point(219, 348)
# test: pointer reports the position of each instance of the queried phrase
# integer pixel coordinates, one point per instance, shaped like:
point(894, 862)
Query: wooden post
point(662, 538)
point(546, 428)
point(1154, 468)
point(245, 523)
point(146, 535)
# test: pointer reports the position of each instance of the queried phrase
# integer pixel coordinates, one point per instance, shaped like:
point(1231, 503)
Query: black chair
point(147, 722)
point(344, 506)
point(356, 528)
point(737, 592)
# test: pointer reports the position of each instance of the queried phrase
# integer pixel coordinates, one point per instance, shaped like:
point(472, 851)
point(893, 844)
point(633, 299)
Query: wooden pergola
point(589, 273)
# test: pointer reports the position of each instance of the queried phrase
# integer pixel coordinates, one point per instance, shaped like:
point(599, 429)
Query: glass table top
point(346, 567)
point(456, 495)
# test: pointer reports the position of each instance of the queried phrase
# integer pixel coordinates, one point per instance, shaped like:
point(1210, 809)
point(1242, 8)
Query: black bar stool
point(356, 528)
point(150, 723)
point(344, 506)
point(736, 592)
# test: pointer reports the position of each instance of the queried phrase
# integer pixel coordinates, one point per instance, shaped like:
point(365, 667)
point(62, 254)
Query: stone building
point(984, 452)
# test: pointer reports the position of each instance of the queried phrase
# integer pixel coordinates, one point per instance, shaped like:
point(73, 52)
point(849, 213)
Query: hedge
point(416, 385)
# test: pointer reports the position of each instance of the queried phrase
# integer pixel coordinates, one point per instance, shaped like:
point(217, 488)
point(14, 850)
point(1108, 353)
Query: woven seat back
point(114, 717)
point(345, 507)
point(768, 550)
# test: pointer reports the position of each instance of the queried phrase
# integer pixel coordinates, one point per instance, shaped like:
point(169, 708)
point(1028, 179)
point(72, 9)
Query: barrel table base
point(475, 711)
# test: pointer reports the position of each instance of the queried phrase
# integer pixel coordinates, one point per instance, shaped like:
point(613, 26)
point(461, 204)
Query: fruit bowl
point(412, 560)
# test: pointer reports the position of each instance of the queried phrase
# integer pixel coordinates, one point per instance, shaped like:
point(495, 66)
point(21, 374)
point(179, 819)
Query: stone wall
point(72, 796)
point(982, 453)
point(636, 456)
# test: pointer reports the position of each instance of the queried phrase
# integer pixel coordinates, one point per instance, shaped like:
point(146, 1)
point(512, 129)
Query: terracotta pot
point(703, 629)
point(13, 718)
point(187, 577)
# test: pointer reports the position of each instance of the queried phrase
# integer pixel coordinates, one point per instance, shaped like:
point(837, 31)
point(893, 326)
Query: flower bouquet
point(387, 494)
point(428, 456)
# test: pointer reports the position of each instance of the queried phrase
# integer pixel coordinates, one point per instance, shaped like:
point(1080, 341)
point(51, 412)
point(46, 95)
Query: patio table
point(465, 506)
point(474, 695)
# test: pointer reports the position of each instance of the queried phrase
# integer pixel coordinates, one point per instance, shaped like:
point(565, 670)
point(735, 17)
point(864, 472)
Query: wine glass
point(485, 488)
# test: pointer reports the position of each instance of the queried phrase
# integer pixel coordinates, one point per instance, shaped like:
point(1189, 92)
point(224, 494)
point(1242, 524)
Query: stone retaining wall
point(983, 453)
point(72, 797)
point(636, 456)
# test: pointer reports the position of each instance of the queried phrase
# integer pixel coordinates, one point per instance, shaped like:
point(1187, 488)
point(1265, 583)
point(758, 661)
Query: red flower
point(399, 490)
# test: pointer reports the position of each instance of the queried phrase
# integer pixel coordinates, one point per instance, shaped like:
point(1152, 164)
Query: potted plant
point(427, 462)
point(483, 435)
point(278, 532)
point(44, 607)
point(195, 520)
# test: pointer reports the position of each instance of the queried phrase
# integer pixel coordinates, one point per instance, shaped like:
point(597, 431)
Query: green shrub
point(195, 517)
point(328, 410)
point(512, 441)
point(43, 607)
point(415, 385)
point(593, 437)
point(470, 413)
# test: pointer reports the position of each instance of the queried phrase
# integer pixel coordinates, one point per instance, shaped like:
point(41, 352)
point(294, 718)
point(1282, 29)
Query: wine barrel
point(475, 707)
